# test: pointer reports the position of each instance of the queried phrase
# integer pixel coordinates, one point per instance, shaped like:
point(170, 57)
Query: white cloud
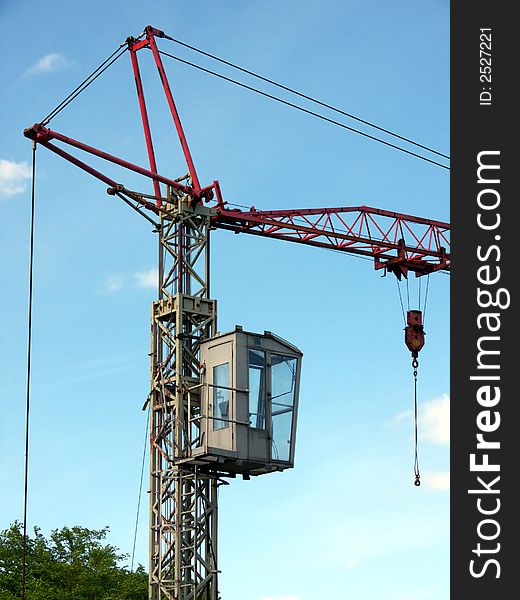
point(351, 564)
point(113, 283)
point(434, 420)
point(437, 480)
point(48, 63)
point(281, 598)
point(148, 279)
point(372, 533)
point(143, 279)
point(402, 416)
point(13, 177)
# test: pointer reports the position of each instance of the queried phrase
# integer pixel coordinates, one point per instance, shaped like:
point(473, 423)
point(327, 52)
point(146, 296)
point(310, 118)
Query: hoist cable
point(305, 96)
point(85, 83)
point(401, 299)
point(408, 293)
point(145, 446)
point(426, 297)
point(416, 472)
point(28, 376)
point(302, 109)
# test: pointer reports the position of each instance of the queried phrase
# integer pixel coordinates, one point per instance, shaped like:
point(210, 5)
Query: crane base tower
point(183, 496)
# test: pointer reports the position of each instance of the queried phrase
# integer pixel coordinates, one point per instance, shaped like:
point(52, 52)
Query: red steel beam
point(396, 241)
point(79, 163)
point(146, 123)
point(40, 134)
point(347, 209)
point(151, 32)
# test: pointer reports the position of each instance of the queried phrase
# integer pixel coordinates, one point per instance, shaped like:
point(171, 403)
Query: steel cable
point(28, 375)
point(426, 297)
point(302, 109)
point(84, 84)
point(417, 474)
point(140, 487)
point(306, 97)
point(401, 300)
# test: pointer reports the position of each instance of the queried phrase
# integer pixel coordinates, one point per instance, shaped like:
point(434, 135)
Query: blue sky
point(347, 521)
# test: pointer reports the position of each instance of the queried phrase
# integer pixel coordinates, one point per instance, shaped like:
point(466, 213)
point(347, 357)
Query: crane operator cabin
point(248, 398)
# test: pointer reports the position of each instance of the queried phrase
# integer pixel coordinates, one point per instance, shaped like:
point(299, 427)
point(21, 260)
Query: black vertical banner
point(485, 432)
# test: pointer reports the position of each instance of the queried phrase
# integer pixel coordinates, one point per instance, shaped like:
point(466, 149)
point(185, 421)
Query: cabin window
point(257, 391)
point(283, 387)
point(221, 396)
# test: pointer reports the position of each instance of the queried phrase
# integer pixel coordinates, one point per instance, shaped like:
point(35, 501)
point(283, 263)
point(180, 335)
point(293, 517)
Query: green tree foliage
point(73, 564)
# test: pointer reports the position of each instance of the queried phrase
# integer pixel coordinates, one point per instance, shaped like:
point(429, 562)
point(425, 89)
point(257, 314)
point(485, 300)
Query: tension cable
point(426, 296)
point(28, 377)
point(302, 109)
point(85, 83)
point(400, 299)
point(305, 96)
point(140, 486)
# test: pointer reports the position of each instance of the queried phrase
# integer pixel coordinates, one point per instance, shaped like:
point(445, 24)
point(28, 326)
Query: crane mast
point(183, 561)
point(183, 497)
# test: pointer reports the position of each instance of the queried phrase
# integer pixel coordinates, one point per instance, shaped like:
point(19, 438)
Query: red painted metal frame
point(43, 135)
point(397, 242)
point(150, 42)
point(146, 123)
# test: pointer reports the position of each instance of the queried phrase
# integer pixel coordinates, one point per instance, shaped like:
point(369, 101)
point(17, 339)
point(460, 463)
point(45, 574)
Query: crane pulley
point(414, 334)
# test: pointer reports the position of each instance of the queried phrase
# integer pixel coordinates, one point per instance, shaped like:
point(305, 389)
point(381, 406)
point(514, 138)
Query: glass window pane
point(283, 386)
point(220, 396)
point(257, 388)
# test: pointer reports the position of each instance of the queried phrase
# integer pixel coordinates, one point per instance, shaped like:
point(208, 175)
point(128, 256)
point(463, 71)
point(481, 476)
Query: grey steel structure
point(184, 471)
point(249, 401)
point(183, 495)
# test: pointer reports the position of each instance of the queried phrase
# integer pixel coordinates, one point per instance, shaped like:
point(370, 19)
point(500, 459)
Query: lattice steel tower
point(183, 497)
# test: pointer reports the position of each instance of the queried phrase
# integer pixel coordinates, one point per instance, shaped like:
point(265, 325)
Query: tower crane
point(185, 473)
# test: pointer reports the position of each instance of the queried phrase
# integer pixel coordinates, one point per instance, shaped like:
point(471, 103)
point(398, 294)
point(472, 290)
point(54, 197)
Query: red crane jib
point(397, 242)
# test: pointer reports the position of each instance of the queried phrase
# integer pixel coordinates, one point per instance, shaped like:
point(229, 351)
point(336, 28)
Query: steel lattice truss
point(396, 242)
point(183, 500)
